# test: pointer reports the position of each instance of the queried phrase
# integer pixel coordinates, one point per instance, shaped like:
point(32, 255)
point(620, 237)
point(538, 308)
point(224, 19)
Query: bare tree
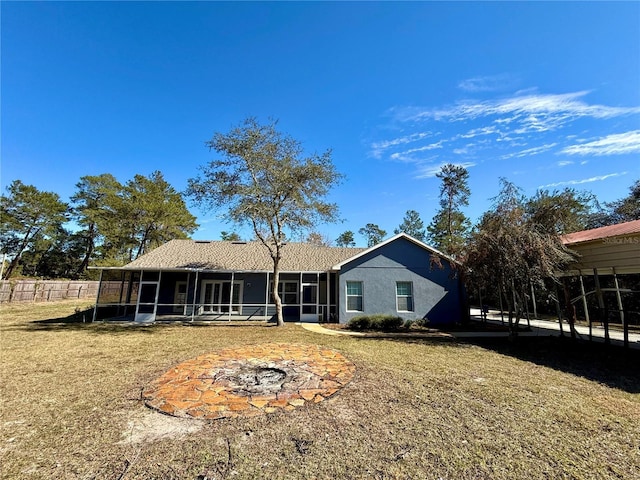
point(512, 248)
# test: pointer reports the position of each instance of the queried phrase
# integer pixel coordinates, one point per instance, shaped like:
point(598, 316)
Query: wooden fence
point(46, 290)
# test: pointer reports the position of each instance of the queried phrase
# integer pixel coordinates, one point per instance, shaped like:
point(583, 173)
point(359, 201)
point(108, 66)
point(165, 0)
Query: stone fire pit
point(249, 380)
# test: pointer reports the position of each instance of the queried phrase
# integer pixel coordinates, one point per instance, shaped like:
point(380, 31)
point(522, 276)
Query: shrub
point(388, 323)
point(359, 323)
point(385, 323)
point(422, 322)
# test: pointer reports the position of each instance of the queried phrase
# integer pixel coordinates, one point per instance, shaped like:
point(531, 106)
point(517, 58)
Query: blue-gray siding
point(437, 290)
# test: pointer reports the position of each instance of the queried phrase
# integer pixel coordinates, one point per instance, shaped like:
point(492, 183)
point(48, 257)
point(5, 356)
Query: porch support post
point(300, 298)
point(327, 308)
point(95, 310)
point(584, 305)
point(122, 277)
point(625, 327)
point(266, 298)
point(195, 294)
point(317, 296)
point(155, 303)
point(186, 295)
point(233, 276)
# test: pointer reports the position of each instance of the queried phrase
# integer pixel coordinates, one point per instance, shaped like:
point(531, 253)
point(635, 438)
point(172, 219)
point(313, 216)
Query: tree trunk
point(16, 259)
point(276, 296)
point(558, 310)
point(514, 311)
point(90, 248)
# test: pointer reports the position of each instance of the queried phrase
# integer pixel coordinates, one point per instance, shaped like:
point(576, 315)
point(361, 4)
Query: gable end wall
point(437, 292)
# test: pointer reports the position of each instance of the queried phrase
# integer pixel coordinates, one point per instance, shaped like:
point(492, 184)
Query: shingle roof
point(626, 228)
point(240, 256)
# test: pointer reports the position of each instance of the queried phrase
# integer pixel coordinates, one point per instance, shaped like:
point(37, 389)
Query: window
point(404, 296)
point(354, 297)
point(288, 292)
point(217, 295)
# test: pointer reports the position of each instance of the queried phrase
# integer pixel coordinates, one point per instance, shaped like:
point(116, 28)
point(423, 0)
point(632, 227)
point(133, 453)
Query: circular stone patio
point(249, 380)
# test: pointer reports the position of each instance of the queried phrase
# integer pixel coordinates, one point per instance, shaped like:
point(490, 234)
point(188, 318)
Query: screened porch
point(200, 295)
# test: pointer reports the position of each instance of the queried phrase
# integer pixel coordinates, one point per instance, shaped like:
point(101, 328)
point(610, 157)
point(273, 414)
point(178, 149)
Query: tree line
point(263, 179)
point(116, 223)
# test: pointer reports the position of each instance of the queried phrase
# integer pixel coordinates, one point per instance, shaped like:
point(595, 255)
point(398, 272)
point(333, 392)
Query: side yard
point(429, 409)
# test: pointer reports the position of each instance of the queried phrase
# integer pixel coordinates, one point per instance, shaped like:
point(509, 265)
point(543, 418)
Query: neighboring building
point(607, 271)
point(218, 280)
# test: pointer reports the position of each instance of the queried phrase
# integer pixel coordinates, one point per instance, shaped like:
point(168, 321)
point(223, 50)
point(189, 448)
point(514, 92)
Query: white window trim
point(405, 296)
point(217, 306)
point(346, 290)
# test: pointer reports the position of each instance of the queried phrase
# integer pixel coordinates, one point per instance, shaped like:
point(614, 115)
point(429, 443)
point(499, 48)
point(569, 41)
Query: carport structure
point(608, 272)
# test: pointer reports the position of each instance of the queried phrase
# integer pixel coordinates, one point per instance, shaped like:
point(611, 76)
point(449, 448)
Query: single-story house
point(225, 280)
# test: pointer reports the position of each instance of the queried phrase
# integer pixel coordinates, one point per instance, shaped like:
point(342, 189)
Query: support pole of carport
point(625, 327)
point(584, 304)
point(195, 293)
point(501, 307)
point(533, 301)
point(95, 309)
point(604, 314)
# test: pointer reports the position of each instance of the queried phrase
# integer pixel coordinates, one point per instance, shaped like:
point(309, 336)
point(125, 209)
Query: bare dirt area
point(73, 407)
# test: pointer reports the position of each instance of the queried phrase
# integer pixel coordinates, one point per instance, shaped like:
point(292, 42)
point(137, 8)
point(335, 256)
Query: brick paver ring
point(249, 380)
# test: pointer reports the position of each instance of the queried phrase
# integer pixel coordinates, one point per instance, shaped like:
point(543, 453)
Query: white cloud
point(428, 171)
point(479, 131)
point(615, 144)
point(488, 83)
point(530, 151)
point(533, 113)
point(379, 147)
point(407, 155)
point(523, 124)
point(584, 180)
point(564, 163)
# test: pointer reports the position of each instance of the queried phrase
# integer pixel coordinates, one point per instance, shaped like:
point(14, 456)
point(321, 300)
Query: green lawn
point(415, 409)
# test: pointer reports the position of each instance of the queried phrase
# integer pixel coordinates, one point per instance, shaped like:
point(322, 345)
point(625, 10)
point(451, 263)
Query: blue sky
point(544, 94)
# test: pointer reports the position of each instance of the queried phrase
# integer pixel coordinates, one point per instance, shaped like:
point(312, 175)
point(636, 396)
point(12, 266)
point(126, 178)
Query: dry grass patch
point(71, 408)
